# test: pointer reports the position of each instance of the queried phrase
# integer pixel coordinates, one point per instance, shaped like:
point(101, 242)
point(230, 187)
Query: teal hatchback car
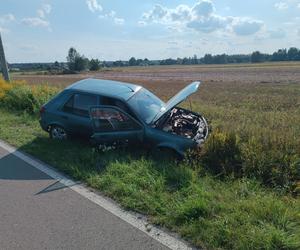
point(110, 111)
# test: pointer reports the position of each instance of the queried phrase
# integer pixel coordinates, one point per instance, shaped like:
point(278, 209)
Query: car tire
point(58, 133)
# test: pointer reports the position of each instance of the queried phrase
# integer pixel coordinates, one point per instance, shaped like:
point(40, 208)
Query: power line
point(3, 62)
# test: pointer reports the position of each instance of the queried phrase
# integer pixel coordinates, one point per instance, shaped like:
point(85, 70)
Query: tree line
point(77, 62)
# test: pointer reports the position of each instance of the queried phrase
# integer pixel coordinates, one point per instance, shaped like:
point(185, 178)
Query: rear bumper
point(44, 126)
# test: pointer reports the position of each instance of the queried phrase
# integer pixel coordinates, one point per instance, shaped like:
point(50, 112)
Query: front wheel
point(58, 133)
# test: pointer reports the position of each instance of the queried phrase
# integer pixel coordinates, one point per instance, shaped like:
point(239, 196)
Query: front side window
point(107, 101)
point(79, 104)
point(110, 119)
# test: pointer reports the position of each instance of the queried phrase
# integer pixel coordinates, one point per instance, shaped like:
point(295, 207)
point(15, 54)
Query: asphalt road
point(38, 212)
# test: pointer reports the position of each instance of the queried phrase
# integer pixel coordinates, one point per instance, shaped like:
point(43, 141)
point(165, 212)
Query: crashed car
point(110, 111)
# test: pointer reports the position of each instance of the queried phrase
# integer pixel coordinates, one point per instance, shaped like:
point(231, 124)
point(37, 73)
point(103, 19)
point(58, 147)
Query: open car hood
point(177, 99)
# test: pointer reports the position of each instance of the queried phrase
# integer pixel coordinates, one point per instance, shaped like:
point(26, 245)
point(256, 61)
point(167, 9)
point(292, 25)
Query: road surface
point(39, 212)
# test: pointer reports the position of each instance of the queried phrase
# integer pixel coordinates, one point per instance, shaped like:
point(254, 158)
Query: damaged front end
point(182, 122)
point(185, 123)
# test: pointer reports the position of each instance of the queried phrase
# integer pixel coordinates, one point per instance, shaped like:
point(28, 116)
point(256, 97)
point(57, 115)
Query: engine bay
point(187, 124)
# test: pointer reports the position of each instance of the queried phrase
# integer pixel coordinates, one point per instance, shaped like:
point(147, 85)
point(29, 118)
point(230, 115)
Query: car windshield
point(146, 104)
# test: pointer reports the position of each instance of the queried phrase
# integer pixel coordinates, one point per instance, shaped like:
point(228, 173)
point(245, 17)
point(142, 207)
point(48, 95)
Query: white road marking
point(135, 220)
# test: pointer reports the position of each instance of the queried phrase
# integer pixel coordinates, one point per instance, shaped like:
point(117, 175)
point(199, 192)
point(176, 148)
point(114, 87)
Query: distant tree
point(71, 58)
point(81, 63)
point(118, 63)
point(179, 61)
point(208, 59)
point(139, 62)
point(94, 64)
point(105, 64)
point(186, 61)
point(257, 57)
point(168, 61)
point(293, 54)
point(220, 59)
point(56, 64)
point(195, 60)
point(76, 62)
point(280, 55)
point(132, 61)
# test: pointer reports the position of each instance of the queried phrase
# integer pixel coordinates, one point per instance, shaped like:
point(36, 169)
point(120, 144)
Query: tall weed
point(22, 97)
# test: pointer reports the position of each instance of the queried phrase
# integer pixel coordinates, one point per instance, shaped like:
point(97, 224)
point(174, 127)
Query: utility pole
point(3, 63)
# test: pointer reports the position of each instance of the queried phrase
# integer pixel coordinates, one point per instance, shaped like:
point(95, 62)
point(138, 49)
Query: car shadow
point(54, 187)
point(62, 154)
point(13, 168)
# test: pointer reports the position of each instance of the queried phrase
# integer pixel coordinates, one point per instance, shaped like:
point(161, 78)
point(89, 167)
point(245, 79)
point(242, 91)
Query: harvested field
point(167, 80)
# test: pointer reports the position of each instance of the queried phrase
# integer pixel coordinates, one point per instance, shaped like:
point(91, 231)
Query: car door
point(111, 124)
point(76, 113)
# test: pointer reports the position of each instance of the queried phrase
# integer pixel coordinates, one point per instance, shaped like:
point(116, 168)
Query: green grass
point(209, 212)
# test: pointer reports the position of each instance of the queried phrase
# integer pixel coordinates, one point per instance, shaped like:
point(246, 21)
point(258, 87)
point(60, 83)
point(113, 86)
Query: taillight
point(42, 110)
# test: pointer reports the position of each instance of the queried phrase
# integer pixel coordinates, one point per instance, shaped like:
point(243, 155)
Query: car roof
point(120, 90)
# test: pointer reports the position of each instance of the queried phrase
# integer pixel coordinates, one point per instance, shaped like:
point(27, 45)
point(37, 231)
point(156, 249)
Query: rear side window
point(79, 104)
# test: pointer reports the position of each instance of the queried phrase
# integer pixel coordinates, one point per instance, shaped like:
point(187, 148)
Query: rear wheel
point(58, 133)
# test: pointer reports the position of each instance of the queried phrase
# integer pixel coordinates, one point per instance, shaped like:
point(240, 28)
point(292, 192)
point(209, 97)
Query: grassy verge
point(228, 214)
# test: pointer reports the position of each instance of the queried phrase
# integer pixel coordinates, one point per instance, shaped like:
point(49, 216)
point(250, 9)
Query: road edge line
point(134, 220)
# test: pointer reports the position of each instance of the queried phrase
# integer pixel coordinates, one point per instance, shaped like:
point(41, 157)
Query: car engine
point(186, 123)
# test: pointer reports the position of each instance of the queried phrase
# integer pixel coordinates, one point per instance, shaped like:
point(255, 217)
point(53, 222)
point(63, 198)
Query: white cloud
point(4, 20)
point(107, 15)
point(181, 13)
point(157, 14)
point(298, 6)
point(40, 13)
point(246, 26)
point(94, 6)
point(112, 15)
point(44, 10)
point(204, 8)
point(35, 22)
point(40, 20)
point(119, 21)
point(7, 18)
point(201, 17)
point(281, 5)
point(208, 24)
point(47, 8)
point(3, 30)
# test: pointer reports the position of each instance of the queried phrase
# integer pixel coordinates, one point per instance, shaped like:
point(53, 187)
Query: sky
point(44, 30)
